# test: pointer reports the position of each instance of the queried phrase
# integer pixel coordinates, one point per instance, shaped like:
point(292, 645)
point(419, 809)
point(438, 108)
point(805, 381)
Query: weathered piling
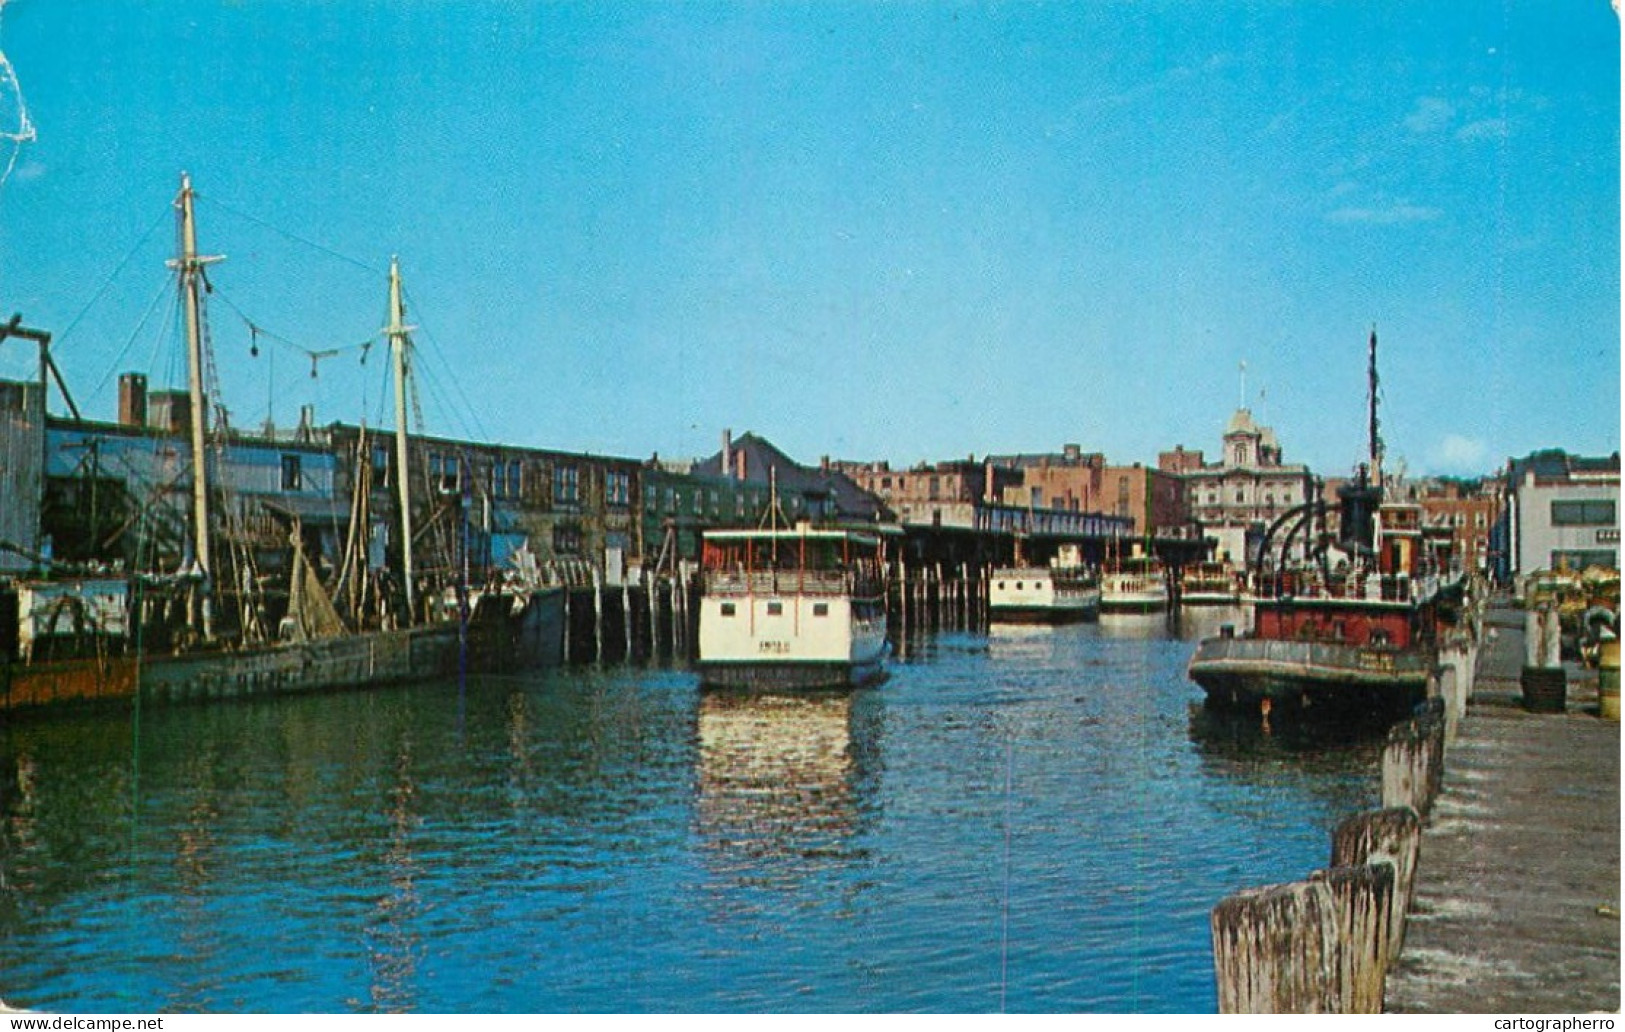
point(1392, 836)
point(1364, 895)
point(1413, 760)
point(1275, 950)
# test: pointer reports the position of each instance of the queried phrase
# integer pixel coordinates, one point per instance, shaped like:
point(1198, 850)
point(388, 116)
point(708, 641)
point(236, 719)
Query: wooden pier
point(1517, 897)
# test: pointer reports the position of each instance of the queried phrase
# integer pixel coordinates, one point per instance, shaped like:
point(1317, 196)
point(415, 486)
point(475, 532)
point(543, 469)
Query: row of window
point(1597, 512)
point(775, 609)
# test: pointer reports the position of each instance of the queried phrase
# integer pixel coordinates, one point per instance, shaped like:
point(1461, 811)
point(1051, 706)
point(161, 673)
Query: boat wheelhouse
point(1043, 594)
point(796, 608)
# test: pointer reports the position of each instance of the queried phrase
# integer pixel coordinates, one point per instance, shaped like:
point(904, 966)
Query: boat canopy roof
point(859, 537)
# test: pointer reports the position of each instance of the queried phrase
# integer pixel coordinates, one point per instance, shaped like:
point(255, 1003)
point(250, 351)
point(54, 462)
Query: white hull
point(1133, 593)
point(791, 641)
point(1040, 594)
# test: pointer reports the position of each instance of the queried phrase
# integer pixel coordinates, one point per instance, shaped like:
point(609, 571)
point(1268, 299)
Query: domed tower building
point(1237, 498)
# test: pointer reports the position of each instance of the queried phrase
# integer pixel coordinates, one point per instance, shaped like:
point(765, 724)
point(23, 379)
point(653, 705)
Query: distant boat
point(797, 608)
point(1134, 585)
point(1357, 639)
point(1210, 584)
point(1043, 594)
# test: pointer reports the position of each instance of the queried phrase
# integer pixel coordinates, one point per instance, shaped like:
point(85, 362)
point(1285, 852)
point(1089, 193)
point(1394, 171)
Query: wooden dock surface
point(1518, 887)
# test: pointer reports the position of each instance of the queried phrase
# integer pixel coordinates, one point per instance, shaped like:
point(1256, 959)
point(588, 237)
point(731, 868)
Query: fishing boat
point(1211, 583)
point(1357, 638)
point(791, 608)
point(209, 628)
point(1136, 584)
point(1055, 593)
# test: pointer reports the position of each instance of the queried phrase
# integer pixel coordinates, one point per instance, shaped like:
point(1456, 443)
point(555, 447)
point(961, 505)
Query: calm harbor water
point(1028, 819)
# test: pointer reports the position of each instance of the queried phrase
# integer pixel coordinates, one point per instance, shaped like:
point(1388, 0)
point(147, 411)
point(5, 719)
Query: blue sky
point(905, 231)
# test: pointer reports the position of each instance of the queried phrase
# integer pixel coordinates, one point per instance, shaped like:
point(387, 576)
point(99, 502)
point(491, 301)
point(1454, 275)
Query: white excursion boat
point(1134, 585)
point(1210, 584)
point(1043, 594)
point(792, 608)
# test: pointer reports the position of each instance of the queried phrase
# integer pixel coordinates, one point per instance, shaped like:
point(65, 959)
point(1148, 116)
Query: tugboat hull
point(1245, 673)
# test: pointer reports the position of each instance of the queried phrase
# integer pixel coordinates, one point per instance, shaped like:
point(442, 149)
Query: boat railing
point(777, 582)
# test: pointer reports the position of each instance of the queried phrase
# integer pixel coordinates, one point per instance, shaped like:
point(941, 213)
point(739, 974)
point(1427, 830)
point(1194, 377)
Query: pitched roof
point(852, 503)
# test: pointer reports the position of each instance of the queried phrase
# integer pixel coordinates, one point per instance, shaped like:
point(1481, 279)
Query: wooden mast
point(398, 345)
point(190, 265)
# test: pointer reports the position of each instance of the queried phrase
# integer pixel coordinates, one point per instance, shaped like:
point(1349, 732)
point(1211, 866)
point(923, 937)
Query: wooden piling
point(1413, 760)
point(1275, 950)
point(1391, 836)
point(1364, 897)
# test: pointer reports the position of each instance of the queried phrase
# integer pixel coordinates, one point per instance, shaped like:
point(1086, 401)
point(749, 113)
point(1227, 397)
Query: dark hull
point(1310, 676)
point(499, 640)
point(781, 676)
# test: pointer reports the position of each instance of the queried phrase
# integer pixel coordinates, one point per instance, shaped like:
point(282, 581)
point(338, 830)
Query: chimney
point(739, 461)
point(1072, 452)
point(727, 453)
point(132, 399)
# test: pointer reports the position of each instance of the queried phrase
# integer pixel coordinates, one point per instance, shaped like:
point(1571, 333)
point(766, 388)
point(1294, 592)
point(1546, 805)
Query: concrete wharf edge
point(1518, 884)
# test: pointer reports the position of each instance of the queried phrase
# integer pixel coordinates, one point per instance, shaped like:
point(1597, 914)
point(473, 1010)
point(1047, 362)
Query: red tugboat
point(1357, 639)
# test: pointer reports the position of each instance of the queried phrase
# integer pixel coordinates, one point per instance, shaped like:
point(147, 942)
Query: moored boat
point(214, 623)
point(1209, 584)
point(1358, 639)
point(796, 608)
point(1138, 584)
point(1043, 594)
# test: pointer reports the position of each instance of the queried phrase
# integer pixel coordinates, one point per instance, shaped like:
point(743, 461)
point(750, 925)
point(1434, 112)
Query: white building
point(1563, 510)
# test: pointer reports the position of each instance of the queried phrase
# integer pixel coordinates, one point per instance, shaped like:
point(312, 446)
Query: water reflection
point(779, 784)
point(393, 942)
point(1146, 626)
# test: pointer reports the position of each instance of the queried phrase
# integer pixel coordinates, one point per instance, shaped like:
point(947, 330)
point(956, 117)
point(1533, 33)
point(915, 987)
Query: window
point(566, 540)
point(566, 485)
point(380, 465)
point(820, 608)
point(618, 489)
point(727, 609)
point(507, 478)
point(775, 609)
point(1594, 513)
point(444, 471)
point(290, 473)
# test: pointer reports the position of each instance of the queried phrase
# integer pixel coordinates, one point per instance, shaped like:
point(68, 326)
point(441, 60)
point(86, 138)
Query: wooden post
point(597, 616)
point(1413, 760)
point(1275, 950)
point(1392, 836)
point(1364, 897)
point(567, 627)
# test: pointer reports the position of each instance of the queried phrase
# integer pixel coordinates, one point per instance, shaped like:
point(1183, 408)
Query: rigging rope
point(24, 133)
